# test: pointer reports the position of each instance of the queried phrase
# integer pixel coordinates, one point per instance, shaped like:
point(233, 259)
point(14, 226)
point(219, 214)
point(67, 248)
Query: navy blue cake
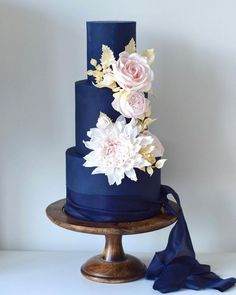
point(90, 197)
point(113, 172)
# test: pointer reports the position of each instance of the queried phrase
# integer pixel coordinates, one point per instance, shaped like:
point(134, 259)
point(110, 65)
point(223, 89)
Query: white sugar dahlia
point(116, 150)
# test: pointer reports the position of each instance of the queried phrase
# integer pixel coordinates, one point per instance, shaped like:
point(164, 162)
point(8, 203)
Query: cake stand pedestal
point(113, 265)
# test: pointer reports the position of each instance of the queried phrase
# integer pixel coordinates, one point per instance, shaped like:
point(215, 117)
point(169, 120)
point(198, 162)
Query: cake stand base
point(113, 265)
point(99, 270)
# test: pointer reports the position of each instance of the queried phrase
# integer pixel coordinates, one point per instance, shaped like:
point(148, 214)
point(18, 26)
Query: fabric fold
point(105, 208)
point(176, 267)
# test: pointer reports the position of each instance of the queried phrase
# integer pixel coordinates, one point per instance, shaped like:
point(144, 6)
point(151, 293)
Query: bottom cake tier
point(90, 197)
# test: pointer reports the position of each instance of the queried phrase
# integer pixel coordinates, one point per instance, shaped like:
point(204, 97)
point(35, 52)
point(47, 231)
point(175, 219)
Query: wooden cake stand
point(113, 265)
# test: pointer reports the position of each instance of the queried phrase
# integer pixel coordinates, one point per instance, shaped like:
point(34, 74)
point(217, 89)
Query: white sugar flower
point(158, 149)
point(103, 121)
point(116, 150)
point(130, 104)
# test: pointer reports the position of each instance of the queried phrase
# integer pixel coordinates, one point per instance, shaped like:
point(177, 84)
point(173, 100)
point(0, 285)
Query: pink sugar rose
point(132, 72)
point(130, 105)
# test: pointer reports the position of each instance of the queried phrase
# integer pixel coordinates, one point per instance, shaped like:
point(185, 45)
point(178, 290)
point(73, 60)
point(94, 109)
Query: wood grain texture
point(57, 215)
point(113, 265)
point(100, 270)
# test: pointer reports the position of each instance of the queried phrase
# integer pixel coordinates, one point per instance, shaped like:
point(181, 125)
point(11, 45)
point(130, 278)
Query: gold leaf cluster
point(103, 72)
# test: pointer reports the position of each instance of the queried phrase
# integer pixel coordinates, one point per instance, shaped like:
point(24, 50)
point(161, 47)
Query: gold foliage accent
point(149, 54)
point(93, 62)
point(107, 57)
point(160, 163)
point(145, 122)
point(103, 115)
point(131, 47)
point(150, 170)
point(90, 72)
point(98, 67)
point(103, 74)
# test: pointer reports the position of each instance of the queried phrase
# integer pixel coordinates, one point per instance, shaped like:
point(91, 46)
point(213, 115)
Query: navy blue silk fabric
point(176, 267)
point(172, 269)
point(105, 208)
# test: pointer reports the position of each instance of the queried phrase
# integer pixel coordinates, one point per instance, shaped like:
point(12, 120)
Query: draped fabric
point(172, 269)
point(110, 208)
point(176, 267)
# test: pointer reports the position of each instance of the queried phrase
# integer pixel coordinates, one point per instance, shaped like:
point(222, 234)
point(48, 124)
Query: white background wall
point(42, 54)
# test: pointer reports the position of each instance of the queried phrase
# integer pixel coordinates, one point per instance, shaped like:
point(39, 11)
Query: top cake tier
point(115, 34)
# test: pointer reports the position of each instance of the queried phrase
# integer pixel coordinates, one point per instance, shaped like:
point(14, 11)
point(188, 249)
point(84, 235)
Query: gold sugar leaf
point(160, 163)
point(148, 122)
point(90, 73)
point(131, 47)
point(151, 159)
point(117, 89)
point(104, 116)
point(150, 55)
point(107, 57)
point(142, 117)
point(114, 87)
point(99, 84)
point(98, 67)
point(93, 62)
point(149, 170)
point(144, 150)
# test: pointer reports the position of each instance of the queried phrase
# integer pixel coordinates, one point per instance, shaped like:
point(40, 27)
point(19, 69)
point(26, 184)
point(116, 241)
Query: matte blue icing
point(79, 179)
point(93, 195)
point(100, 201)
point(89, 102)
point(115, 34)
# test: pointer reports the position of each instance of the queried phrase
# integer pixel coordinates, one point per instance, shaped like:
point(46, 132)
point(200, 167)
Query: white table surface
point(57, 273)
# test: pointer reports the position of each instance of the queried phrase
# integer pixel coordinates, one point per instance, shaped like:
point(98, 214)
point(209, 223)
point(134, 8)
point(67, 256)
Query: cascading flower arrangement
point(120, 147)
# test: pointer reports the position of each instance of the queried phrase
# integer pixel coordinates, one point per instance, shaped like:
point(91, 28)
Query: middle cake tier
point(89, 102)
